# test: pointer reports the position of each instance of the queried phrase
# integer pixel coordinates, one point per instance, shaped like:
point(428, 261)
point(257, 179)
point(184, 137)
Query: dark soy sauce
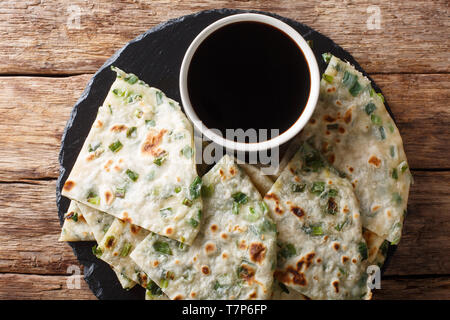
point(248, 75)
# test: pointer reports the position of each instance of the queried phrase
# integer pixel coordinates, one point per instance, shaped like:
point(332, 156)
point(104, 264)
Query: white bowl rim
point(295, 128)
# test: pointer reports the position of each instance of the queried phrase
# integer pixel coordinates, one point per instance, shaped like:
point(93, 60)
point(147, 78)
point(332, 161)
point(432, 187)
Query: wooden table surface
point(47, 56)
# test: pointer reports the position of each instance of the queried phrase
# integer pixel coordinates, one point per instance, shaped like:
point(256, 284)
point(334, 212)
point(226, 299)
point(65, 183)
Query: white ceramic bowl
point(301, 121)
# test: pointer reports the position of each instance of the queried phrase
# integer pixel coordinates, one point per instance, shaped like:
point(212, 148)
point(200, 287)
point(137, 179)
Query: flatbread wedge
point(321, 251)
point(234, 254)
point(75, 227)
point(353, 129)
point(138, 161)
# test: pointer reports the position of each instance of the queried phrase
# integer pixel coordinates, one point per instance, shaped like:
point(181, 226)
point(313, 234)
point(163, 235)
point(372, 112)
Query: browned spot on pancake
point(143, 279)
point(205, 270)
point(232, 171)
point(224, 255)
point(109, 242)
point(210, 247)
point(350, 169)
point(178, 297)
point(271, 196)
point(278, 210)
point(177, 261)
point(70, 215)
point(330, 182)
point(253, 295)
point(375, 208)
point(345, 259)
point(297, 179)
point(169, 230)
point(353, 185)
point(313, 121)
point(332, 89)
point(298, 278)
point(292, 170)
point(117, 168)
point(324, 146)
point(247, 273)
point(338, 140)
point(329, 118)
point(331, 158)
point(332, 205)
point(120, 160)
point(338, 103)
point(68, 185)
point(155, 263)
point(354, 260)
point(178, 179)
point(346, 210)
point(299, 212)
point(336, 286)
point(193, 294)
point(152, 142)
point(221, 173)
point(126, 218)
point(319, 260)
point(348, 116)
point(327, 132)
point(341, 130)
point(336, 246)
point(99, 124)
point(91, 157)
point(257, 252)
point(134, 228)
point(214, 228)
point(107, 164)
point(388, 213)
point(195, 258)
point(224, 236)
point(115, 254)
point(81, 218)
point(108, 197)
point(242, 245)
point(325, 238)
point(375, 161)
point(119, 128)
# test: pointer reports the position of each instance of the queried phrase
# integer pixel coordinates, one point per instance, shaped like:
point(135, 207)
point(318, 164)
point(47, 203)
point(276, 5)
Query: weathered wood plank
point(34, 287)
point(31, 127)
point(29, 229)
point(414, 289)
point(45, 37)
point(37, 287)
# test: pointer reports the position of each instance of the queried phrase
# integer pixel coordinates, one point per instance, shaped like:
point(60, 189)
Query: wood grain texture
point(29, 233)
point(31, 127)
point(44, 37)
point(414, 289)
point(37, 287)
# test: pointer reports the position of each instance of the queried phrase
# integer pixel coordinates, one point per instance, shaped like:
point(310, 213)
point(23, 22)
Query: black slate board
point(154, 57)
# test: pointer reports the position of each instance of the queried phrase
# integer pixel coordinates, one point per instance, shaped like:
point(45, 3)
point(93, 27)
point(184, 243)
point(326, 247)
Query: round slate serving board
point(155, 57)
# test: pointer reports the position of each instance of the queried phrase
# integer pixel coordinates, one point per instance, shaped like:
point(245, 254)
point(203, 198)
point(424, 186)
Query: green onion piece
point(195, 188)
point(240, 197)
point(199, 214)
point(263, 207)
point(217, 285)
point(372, 91)
point(153, 288)
point(403, 166)
point(159, 98)
point(177, 189)
point(310, 43)
point(391, 127)
point(349, 79)
point(93, 198)
point(392, 151)
point(327, 78)
point(150, 123)
point(326, 57)
point(132, 175)
point(73, 216)
point(355, 89)
point(131, 131)
point(207, 191)
point(92, 149)
point(397, 198)
point(131, 79)
point(164, 283)
point(370, 107)
point(287, 250)
point(138, 113)
point(162, 247)
point(187, 202)
point(333, 126)
point(362, 248)
point(314, 230)
point(384, 247)
point(318, 187)
point(394, 174)
point(382, 133)
point(298, 187)
point(235, 209)
point(165, 212)
point(312, 159)
point(187, 152)
point(159, 161)
point(125, 251)
point(332, 193)
point(340, 226)
point(97, 251)
point(375, 119)
point(268, 226)
point(115, 146)
point(381, 96)
point(252, 215)
point(120, 192)
point(118, 92)
point(193, 222)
